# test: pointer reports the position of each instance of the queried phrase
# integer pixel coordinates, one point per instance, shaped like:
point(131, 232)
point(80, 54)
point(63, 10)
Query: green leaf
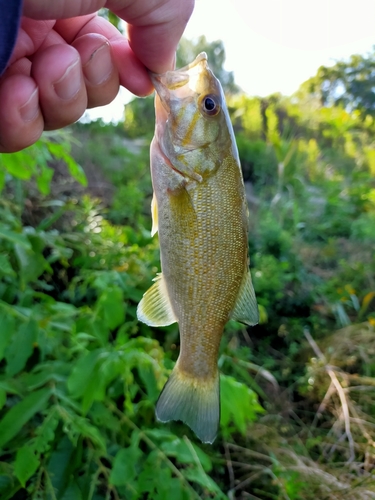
point(7, 329)
point(161, 434)
point(75, 170)
point(26, 464)
point(179, 449)
point(198, 476)
point(3, 397)
point(21, 164)
point(82, 427)
point(5, 267)
point(16, 238)
point(45, 433)
point(32, 263)
point(158, 486)
point(38, 240)
point(103, 417)
point(10, 386)
point(170, 490)
point(44, 178)
point(60, 465)
point(8, 487)
point(82, 373)
point(72, 492)
point(147, 375)
point(124, 466)
point(111, 303)
point(106, 370)
point(21, 413)
point(51, 219)
point(2, 179)
point(239, 404)
point(21, 347)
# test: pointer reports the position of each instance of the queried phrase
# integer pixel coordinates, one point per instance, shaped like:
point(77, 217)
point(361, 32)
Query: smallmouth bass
point(199, 210)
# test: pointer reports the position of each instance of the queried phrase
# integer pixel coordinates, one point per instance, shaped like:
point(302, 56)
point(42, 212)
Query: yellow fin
point(246, 308)
point(154, 214)
point(155, 308)
point(195, 401)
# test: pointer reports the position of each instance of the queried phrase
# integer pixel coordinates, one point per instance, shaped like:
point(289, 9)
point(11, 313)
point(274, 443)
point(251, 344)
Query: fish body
point(200, 212)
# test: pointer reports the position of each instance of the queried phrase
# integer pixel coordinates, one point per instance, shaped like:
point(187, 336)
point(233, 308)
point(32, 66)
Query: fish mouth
point(176, 82)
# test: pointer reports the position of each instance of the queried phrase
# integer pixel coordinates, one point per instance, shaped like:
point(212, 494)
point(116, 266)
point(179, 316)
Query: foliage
point(139, 117)
point(34, 163)
point(114, 160)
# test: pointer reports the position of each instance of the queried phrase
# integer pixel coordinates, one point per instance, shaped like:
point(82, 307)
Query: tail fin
point(194, 401)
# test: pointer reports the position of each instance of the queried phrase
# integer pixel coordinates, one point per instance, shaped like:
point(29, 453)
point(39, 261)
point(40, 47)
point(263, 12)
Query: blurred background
point(80, 376)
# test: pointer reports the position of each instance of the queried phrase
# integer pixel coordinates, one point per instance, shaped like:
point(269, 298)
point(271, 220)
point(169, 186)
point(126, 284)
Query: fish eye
point(210, 105)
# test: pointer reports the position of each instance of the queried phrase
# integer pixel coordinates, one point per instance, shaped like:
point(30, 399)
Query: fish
point(200, 213)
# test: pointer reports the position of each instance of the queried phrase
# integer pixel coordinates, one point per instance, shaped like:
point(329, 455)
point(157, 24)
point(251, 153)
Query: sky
point(276, 45)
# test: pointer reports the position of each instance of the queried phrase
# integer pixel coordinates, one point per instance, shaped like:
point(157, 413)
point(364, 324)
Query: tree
point(349, 83)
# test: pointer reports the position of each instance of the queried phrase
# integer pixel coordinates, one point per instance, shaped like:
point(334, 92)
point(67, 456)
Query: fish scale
point(200, 212)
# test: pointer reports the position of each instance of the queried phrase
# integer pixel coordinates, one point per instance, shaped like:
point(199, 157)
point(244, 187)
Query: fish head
point(189, 105)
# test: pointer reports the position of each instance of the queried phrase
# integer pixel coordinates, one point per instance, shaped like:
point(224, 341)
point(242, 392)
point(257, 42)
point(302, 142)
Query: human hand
point(67, 59)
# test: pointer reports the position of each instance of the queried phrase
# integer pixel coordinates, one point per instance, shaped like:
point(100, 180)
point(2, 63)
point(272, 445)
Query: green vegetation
point(79, 375)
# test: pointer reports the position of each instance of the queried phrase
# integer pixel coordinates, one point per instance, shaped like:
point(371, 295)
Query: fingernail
point(30, 110)
point(99, 67)
point(70, 83)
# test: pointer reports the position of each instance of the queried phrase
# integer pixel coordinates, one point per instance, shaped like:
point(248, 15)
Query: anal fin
point(155, 307)
point(246, 307)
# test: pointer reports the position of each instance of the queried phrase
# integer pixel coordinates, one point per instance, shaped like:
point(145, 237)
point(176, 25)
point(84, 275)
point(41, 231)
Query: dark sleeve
point(10, 15)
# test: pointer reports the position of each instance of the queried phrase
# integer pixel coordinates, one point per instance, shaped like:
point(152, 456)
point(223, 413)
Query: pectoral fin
point(246, 308)
point(155, 308)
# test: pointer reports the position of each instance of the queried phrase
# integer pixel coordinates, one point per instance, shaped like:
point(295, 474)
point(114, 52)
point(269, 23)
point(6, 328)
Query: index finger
point(154, 33)
point(133, 74)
